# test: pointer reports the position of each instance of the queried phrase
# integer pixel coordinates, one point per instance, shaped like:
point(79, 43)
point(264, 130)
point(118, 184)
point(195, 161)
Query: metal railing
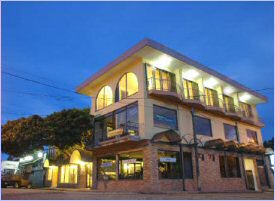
point(161, 84)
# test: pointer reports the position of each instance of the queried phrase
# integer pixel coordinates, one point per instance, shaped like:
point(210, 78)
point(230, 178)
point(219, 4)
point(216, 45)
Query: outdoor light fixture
point(21, 160)
point(245, 97)
point(191, 74)
point(163, 61)
point(28, 158)
point(228, 90)
point(40, 154)
point(211, 82)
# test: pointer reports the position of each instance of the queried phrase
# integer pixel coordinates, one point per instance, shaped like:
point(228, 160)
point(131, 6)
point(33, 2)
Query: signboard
point(168, 160)
point(13, 165)
point(129, 161)
point(107, 164)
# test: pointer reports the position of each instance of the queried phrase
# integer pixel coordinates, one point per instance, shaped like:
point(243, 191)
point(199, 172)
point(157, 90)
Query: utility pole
point(196, 151)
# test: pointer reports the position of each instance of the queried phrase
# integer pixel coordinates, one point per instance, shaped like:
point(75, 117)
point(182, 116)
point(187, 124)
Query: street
point(60, 194)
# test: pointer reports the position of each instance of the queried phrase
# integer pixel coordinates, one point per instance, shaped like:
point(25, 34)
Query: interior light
point(211, 82)
point(21, 160)
point(163, 61)
point(228, 90)
point(245, 97)
point(191, 74)
point(40, 154)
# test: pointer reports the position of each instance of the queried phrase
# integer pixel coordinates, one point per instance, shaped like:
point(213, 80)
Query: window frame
point(225, 164)
point(211, 131)
point(104, 106)
point(178, 161)
point(236, 131)
point(117, 98)
point(254, 132)
point(174, 110)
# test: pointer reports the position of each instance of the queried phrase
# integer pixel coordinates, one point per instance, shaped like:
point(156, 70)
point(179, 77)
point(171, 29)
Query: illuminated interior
point(104, 98)
point(68, 174)
point(127, 86)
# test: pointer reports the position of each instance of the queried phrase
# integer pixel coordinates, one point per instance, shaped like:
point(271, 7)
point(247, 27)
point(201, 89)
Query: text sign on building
point(107, 164)
point(130, 161)
point(167, 159)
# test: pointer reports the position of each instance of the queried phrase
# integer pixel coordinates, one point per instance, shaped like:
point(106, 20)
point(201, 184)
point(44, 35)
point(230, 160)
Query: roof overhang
point(150, 51)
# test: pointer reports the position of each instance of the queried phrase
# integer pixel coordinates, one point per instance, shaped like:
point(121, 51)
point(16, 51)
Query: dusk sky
point(63, 43)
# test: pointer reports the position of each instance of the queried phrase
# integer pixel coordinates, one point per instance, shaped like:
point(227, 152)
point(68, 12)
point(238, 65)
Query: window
point(160, 79)
point(187, 163)
point(106, 168)
point(229, 166)
point(127, 86)
point(202, 126)
point(252, 136)
point(68, 174)
point(228, 104)
point(211, 97)
point(230, 132)
point(50, 173)
point(104, 98)
point(164, 117)
point(169, 165)
point(191, 90)
point(246, 109)
point(131, 165)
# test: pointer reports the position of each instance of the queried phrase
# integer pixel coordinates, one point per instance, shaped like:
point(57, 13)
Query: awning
point(169, 136)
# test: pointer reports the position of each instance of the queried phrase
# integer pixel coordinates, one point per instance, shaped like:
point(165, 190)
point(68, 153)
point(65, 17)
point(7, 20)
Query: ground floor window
point(131, 165)
point(68, 174)
point(106, 168)
point(229, 166)
point(50, 174)
point(168, 165)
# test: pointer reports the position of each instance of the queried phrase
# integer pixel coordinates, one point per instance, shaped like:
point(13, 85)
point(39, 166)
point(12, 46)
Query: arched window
point(127, 86)
point(104, 98)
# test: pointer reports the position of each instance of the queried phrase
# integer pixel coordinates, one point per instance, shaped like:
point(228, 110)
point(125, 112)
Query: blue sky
point(63, 43)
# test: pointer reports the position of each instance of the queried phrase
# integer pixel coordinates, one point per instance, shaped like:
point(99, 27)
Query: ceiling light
point(191, 74)
point(211, 82)
point(40, 154)
point(228, 90)
point(163, 61)
point(245, 97)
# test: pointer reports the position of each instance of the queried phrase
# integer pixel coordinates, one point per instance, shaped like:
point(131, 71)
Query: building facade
point(164, 122)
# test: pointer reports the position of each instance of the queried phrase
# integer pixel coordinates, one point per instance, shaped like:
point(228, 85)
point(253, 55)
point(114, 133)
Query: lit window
point(107, 168)
point(131, 165)
point(191, 90)
point(230, 132)
point(252, 136)
point(50, 173)
point(169, 165)
point(246, 109)
point(68, 174)
point(228, 104)
point(104, 98)
point(211, 97)
point(229, 166)
point(127, 86)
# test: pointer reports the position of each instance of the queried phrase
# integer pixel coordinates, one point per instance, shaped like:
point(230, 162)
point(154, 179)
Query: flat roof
point(158, 46)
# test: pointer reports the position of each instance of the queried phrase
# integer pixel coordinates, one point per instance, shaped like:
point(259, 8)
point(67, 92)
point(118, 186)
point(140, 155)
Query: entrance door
point(250, 180)
point(89, 175)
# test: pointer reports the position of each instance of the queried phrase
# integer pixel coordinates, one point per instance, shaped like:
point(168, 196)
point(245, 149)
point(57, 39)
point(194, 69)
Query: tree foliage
point(62, 129)
point(269, 143)
point(23, 135)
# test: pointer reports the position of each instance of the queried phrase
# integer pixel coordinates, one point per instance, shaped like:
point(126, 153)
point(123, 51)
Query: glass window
point(132, 119)
point(106, 168)
point(104, 98)
point(245, 109)
point(188, 167)
point(252, 136)
point(229, 166)
point(202, 126)
point(131, 165)
point(121, 118)
point(160, 79)
point(228, 104)
point(169, 165)
point(211, 97)
point(164, 117)
point(68, 174)
point(230, 132)
point(191, 90)
point(127, 86)
point(50, 173)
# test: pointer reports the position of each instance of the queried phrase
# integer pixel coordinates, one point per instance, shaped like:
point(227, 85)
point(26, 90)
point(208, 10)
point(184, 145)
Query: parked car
point(16, 180)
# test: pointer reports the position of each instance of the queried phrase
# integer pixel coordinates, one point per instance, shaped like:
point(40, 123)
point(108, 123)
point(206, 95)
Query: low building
point(164, 122)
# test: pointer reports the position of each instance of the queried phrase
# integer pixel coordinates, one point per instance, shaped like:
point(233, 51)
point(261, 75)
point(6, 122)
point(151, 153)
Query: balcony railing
point(161, 84)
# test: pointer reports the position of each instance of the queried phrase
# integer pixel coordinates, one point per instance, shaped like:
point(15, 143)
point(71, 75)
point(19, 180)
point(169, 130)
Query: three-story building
point(164, 122)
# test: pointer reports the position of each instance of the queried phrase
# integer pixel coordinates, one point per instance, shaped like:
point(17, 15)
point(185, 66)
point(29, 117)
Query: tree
point(23, 135)
point(269, 143)
point(68, 128)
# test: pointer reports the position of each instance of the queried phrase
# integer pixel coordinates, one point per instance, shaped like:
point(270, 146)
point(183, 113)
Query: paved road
point(42, 194)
